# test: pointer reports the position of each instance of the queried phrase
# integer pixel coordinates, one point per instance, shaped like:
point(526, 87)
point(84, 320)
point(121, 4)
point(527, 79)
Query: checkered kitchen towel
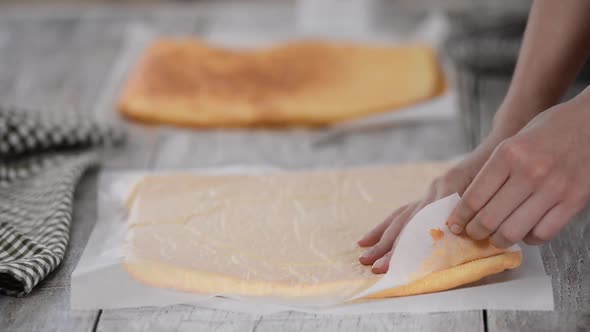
point(42, 157)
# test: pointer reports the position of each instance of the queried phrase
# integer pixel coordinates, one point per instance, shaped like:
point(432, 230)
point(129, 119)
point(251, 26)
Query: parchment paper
point(100, 282)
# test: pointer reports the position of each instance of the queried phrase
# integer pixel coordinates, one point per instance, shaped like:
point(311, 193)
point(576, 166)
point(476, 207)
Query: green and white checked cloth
point(42, 157)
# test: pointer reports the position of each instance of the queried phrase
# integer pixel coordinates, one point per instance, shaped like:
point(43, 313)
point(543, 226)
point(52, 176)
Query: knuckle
point(487, 222)
point(536, 171)
point(469, 204)
point(542, 234)
point(510, 237)
point(511, 150)
point(517, 153)
point(473, 232)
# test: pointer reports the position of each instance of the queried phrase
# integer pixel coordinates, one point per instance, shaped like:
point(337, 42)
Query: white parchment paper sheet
point(100, 282)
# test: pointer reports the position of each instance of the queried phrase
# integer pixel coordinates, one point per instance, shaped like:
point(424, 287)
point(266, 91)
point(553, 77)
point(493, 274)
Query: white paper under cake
point(99, 281)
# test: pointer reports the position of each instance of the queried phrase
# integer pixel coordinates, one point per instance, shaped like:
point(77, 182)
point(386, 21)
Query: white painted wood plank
point(186, 318)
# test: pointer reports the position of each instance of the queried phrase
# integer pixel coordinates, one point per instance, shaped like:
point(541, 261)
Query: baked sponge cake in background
point(288, 235)
point(188, 82)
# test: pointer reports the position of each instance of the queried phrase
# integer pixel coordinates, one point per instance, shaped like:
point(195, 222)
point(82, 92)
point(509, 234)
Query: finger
point(386, 242)
point(523, 219)
point(506, 200)
point(382, 264)
point(374, 235)
point(487, 182)
point(551, 223)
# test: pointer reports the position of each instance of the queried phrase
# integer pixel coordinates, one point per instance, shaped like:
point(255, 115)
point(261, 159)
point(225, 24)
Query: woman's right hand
point(456, 180)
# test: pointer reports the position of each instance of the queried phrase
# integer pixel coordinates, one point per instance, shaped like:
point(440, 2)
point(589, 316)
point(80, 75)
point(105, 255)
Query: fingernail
point(380, 263)
point(456, 229)
point(367, 253)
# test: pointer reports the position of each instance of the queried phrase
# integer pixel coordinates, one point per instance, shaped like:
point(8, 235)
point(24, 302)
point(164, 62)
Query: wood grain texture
point(484, 10)
point(491, 90)
point(186, 318)
point(539, 321)
point(468, 91)
point(296, 148)
point(567, 261)
point(45, 309)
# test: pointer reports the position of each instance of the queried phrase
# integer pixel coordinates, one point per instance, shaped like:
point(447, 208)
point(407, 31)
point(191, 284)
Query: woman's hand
point(383, 236)
point(510, 118)
point(534, 183)
point(457, 179)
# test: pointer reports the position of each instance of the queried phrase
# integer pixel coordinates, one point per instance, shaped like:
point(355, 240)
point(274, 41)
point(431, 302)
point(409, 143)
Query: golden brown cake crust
point(187, 82)
point(455, 276)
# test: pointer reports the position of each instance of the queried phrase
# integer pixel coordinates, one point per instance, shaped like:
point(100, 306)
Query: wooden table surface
point(76, 59)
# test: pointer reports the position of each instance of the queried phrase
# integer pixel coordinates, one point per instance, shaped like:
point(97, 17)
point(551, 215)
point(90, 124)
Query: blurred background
point(480, 39)
point(86, 48)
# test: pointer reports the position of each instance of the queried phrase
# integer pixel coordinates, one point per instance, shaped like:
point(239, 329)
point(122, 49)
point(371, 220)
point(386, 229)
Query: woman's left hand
point(534, 183)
